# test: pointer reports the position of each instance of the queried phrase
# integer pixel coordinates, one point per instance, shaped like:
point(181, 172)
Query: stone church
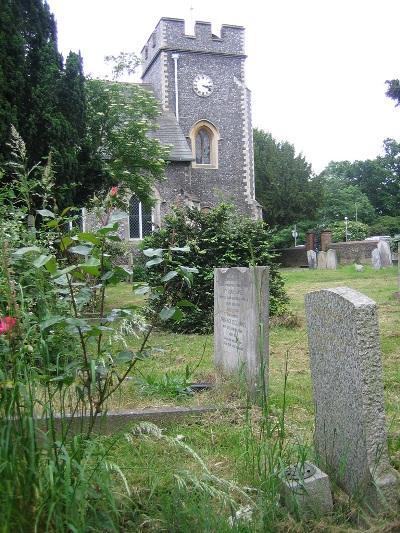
point(199, 81)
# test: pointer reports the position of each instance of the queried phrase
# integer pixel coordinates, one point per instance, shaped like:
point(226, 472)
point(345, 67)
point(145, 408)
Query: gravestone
point(346, 369)
point(241, 323)
point(331, 260)
point(321, 260)
point(376, 259)
point(312, 259)
point(385, 253)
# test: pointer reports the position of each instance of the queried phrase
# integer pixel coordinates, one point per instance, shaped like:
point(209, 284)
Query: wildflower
point(6, 324)
point(114, 190)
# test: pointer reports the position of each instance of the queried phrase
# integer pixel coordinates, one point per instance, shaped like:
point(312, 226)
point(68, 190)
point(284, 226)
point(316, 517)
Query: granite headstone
point(346, 369)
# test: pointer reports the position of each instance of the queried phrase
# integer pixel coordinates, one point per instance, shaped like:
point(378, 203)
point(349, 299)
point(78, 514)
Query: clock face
point(203, 85)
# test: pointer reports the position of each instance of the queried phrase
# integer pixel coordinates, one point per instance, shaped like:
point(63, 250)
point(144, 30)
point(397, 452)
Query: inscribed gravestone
point(346, 369)
point(385, 253)
point(376, 259)
point(321, 260)
point(331, 259)
point(241, 322)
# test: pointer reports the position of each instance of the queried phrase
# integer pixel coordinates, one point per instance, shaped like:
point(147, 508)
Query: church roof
point(170, 133)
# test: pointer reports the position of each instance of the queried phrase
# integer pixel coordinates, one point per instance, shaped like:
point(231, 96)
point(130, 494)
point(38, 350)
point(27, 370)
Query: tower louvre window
point(140, 219)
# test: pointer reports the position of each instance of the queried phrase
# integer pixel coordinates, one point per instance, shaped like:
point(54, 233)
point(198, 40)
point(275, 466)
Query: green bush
point(283, 238)
point(218, 238)
point(385, 225)
point(356, 231)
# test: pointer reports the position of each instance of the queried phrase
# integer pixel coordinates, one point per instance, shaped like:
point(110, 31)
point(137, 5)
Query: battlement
point(170, 34)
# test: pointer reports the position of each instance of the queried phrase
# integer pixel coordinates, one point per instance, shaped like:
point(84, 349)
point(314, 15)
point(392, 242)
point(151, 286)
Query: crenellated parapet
point(169, 34)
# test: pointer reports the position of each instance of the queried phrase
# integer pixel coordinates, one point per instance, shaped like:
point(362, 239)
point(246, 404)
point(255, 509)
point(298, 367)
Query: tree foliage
point(285, 186)
point(219, 238)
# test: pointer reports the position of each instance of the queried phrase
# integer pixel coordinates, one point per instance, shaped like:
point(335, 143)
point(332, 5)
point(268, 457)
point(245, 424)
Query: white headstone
point(376, 259)
point(241, 323)
point(331, 260)
point(346, 370)
point(385, 253)
point(312, 259)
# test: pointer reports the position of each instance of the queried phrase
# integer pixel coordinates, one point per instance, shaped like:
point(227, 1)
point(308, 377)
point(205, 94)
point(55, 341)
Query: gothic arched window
point(204, 138)
point(203, 146)
point(140, 219)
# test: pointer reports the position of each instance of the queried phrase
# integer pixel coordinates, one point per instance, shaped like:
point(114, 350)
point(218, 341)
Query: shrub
point(385, 225)
point(219, 238)
point(356, 231)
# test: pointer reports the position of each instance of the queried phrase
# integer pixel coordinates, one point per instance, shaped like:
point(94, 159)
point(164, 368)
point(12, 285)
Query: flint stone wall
point(346, 369)
point(241, 323)
point(354, 251)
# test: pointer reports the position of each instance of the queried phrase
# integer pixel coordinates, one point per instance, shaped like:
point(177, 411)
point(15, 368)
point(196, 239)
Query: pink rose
point(6, 324)
point(114, 190)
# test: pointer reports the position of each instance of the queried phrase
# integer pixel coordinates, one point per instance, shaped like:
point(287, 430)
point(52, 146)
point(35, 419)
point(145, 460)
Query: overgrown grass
point(235, 443)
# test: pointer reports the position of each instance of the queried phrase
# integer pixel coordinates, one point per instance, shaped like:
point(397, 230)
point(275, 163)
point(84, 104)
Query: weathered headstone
point(331, 259)
point(241, 323)
point(312, 259)
point(346, 369)
point(321, 260)
point(376, 259)
point(385, 253)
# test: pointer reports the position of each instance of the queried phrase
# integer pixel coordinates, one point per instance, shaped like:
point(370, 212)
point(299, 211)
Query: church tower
point(199, 81)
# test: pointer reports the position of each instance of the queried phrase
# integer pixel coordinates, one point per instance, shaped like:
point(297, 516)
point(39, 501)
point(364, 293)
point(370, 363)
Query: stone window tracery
point(204, 137)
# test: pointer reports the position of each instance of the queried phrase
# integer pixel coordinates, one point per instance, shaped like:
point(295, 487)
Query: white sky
point(316, 68)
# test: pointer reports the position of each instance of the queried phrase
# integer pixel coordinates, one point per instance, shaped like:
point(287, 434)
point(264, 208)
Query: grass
point(221, 438)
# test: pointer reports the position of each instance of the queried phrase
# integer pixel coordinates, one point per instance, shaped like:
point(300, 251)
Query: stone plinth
point(307, 495)
point(326, 239)
point(241, 323)
point(346, 369)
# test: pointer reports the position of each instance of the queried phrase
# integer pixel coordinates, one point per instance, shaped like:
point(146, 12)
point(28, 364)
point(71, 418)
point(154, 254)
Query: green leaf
point(81, 249)
point(151, 252)
point(52, 223)
point(65, 270)
point(65, 211)
point(45, 324)
point(144, 289)
point(41, 260)
point(178, 315)
point(65, 242)
point(46, 213)
point(186, 269)
point(177, 249)
point(170, 275)
point(185, 303)
point(89, 237)
point(125, 356)
point(51, 265)
point(107, 275)
point(26, 250)
point(166, 313)
point(155, 261)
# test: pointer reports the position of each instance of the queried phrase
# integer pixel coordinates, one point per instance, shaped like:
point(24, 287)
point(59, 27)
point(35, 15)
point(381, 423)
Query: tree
point(119, 118)
point(285, 186)
point(341, 200)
